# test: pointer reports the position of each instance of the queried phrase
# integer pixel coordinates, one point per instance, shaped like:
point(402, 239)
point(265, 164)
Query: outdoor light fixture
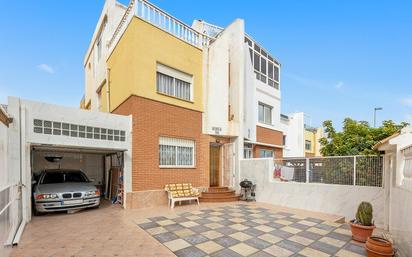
point(374, 115)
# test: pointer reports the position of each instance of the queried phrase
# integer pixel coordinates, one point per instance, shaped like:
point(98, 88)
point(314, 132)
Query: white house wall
point(295, 135)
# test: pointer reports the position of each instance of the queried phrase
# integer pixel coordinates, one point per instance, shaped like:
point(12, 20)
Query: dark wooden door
point(214, 165)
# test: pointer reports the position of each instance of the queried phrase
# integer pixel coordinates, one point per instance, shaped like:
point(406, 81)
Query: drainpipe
point(108, 89)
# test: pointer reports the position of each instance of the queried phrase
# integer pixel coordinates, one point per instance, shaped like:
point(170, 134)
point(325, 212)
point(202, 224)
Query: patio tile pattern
point(248, 230)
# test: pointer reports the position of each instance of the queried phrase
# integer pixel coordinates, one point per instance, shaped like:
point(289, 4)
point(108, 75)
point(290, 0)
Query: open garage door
point(102, 167)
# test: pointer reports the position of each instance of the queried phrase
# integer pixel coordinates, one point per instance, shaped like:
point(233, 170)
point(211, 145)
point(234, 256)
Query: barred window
point(175, 152)
point(174, 83)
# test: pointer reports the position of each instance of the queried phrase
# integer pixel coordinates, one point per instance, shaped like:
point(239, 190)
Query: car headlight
point(92, 193)
point(46, 196)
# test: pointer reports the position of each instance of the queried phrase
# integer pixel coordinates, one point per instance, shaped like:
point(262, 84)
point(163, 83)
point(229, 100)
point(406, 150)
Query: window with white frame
point(263, 153)
point(407, 169)
point(308, 145)
point(265, 113)
point(176, 152)
point(247, 151)
point(265, 66)
point(174, 83)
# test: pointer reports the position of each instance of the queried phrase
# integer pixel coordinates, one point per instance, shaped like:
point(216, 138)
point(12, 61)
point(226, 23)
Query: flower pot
point(378, 247)
point(361, 233)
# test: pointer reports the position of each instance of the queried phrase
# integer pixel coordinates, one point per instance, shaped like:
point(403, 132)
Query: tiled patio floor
point(249, 230)
point(211, 229)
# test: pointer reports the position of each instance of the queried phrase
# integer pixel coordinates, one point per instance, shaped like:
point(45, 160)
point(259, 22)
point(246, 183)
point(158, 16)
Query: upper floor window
point(308, 145)
point(265, 113)
point(173, 83)
point(266, 68)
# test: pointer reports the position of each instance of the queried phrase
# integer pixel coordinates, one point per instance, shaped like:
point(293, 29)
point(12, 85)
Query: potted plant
point(378, 247)
point(362, 227)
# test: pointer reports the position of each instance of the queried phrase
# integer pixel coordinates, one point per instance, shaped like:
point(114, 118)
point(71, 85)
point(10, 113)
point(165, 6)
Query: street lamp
point(374, 115)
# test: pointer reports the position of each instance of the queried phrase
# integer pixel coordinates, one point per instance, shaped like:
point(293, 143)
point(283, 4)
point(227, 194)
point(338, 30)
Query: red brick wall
point(152, 119)
point(268, 136)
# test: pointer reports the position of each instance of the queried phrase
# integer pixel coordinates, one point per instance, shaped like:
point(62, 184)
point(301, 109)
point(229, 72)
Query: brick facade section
point(268, 136)
point(152, 119)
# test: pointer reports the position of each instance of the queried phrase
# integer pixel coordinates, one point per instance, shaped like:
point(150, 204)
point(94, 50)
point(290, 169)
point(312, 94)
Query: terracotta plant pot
point(378, 247)
point(361, 233)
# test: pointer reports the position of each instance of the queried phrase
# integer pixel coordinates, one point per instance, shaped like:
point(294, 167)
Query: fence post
point(354, 170)
point(307, 170)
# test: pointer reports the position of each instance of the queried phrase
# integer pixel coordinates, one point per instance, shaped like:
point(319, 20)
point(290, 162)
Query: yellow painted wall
point(103, 99)
point(311, 136)
point(133, 65)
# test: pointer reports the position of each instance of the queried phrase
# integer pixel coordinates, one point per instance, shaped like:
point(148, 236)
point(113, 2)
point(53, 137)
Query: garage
point(52, 137)
point(102, 168)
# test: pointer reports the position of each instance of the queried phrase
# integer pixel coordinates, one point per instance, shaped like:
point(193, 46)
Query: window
point(284, 140)
point(266, 68)
point(247, 151)
point(265, 114)
point(263, 153)
point(175, 152)
point(99, 46)
point(173, 83)
point(308, 145)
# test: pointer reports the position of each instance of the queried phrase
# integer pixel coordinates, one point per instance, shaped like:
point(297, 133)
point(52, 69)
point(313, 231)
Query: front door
point(214, 164)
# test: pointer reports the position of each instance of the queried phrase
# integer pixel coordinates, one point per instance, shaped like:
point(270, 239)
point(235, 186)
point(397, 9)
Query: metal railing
point(340, 170)
point(161, 19)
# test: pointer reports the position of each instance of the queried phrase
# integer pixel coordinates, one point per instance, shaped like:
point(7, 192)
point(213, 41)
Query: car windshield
point(63, 177)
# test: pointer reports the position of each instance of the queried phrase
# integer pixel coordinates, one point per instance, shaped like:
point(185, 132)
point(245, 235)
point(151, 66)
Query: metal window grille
point(172, 86)
point(174, 152)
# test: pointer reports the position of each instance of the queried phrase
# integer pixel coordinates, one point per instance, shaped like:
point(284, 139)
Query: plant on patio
point(362, 227)
point(378, 247)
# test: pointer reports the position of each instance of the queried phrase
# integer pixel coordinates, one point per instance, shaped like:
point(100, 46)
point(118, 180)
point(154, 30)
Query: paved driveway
point(224, 229)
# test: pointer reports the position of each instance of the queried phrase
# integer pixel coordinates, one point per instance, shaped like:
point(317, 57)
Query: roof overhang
point(384, 143)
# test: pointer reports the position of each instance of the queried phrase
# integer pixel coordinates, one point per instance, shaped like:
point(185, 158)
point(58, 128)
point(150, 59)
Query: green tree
point(356, 138)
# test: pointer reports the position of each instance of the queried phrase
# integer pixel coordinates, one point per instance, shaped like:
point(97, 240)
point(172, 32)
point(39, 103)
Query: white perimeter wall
point(333, 199)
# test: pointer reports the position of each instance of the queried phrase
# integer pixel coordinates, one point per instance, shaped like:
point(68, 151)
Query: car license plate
point(80, 201)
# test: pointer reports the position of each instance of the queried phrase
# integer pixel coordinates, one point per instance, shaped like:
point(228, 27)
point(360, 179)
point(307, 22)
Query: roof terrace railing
point(161, 19)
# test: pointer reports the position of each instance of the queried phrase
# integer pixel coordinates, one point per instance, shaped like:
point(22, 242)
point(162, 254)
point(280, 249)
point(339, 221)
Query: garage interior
point(103, 167)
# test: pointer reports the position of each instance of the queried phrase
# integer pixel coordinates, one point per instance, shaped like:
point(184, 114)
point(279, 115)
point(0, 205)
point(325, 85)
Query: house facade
point(202, 97)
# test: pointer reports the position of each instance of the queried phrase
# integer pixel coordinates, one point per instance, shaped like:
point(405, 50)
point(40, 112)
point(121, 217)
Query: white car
point(63, 190)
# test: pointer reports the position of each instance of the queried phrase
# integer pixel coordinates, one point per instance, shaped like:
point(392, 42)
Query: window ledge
point(177, 167)
point(184, 100)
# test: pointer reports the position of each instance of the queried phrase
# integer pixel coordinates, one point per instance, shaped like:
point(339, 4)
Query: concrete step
point(216, 194)
point(232, 198)
point(217, 189)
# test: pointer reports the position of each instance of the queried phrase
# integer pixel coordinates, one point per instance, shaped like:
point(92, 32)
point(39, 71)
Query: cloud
point(339, 85)
point(407, 101)
point(45, 68)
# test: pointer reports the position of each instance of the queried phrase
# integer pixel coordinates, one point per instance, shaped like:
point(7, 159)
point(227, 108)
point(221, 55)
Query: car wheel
point(37, 213)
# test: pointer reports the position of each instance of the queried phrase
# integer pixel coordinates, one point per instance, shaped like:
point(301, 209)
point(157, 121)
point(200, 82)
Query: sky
point(339, 58)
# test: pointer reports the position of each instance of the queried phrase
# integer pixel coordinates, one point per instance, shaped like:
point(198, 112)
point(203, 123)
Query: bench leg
point(172, 204)
point(197, 200)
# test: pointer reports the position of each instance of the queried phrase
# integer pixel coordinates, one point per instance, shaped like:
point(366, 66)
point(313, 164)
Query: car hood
point(64, 187)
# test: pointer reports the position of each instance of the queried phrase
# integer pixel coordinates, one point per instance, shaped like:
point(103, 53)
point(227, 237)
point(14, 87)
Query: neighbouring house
point(398, 190)
point(202, 97)
point(312, 145)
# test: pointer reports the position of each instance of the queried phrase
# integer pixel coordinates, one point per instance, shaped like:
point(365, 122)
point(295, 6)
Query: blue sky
point(339, 58)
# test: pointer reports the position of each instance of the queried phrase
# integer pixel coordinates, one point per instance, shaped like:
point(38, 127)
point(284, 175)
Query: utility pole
point(374, 115)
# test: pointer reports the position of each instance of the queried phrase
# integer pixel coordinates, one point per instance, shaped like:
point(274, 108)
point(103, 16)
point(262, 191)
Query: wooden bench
point(181, 192)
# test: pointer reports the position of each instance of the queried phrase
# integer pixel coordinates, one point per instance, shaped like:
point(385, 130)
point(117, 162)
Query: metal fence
point(340, 170)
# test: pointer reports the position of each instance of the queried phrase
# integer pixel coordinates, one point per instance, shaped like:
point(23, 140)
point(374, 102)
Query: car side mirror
point(33, 182)
point(92, 180)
